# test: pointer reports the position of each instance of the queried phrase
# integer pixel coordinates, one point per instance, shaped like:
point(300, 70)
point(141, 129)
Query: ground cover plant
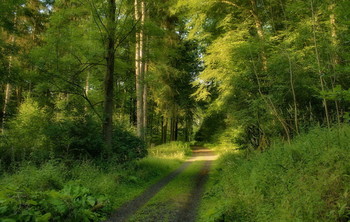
point(306, 181)
point(77, 191)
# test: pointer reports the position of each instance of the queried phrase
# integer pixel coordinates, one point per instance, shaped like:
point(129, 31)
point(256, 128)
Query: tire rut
point(187, 211)
point(129, 208)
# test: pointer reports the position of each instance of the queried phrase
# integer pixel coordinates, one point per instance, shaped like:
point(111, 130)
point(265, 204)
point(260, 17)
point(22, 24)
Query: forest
point(174, 110)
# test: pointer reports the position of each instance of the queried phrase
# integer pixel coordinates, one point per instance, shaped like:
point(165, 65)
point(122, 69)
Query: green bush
point(76, 191)
point(37, 136)
point(308, 180)
point(72, 203)
point(127, 146)
point(172, 150)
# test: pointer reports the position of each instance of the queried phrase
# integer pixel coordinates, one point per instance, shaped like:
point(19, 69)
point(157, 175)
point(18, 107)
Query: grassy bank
point(79, 191)
point(308, 180)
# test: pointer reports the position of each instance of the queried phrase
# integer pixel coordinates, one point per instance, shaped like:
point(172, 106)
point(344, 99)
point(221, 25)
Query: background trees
point(269, 65)
point(72, 64)
point(243, 71)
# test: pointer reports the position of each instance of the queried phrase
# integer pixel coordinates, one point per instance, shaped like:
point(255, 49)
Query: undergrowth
point(308, 180)
point(172, 150)
point(80, 190)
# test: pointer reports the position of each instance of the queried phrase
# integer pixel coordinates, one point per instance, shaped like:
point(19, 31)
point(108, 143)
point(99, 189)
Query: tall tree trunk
point(176, 130)
point(291, 78)
point(144, 69)
point(6, 102)
point(86, 91)
point(164, 129)
point(139, 68)
point(260, 31)
point(319, 63)
point(109, 82)
point(334, 56)
point(144, 111)
point(8, 88)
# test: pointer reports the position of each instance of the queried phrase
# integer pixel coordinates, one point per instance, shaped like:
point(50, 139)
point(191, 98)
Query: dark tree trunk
point(108, 82)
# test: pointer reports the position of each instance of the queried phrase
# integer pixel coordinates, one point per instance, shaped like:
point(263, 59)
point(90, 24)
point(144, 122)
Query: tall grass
point(174, 150)
point(308, 180)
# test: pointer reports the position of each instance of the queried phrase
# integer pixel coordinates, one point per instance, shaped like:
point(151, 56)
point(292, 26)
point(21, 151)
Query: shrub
point(306, 181)
point(38, 136)
point(173, 150)
point(128, 146)
point(72, 203)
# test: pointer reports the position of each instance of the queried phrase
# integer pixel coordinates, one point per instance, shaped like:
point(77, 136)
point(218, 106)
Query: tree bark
point(334, 56)
point(6, 102)
point(144, 69)
point(139, 68)
point(8, 88)
point(109, 82)
point(164, 129)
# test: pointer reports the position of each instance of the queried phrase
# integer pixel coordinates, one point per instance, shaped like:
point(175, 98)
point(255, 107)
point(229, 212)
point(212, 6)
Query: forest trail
point(176, 197)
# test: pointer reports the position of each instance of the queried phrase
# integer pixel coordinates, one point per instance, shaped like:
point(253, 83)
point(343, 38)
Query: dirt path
point(183, 210)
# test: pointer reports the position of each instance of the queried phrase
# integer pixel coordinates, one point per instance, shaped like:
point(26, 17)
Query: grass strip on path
point(169, 202)
point(132, 206)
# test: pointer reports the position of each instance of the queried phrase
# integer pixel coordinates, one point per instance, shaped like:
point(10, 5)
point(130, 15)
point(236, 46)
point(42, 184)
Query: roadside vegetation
point(307, 180)
point(64, 190)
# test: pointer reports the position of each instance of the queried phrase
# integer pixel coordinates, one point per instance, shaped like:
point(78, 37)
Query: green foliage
point(127, 146)
point(76, 191)
point(172, 150)
point(37, 135)
point(72, 203)
point(269, 65)
point(305, 180)
point(27, 135)
point(211, 126)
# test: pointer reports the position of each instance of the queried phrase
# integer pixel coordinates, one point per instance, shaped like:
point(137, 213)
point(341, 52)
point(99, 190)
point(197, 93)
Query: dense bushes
point(62, 190)
point(306, 181)
point(38, 135)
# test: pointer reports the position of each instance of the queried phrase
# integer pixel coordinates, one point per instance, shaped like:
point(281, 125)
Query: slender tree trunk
point(294, 97)
point(319, 63)
point(87, 85)
point(268, 101)
point(139, 67)
point(86, 91)
point(144, 68)
point(270, 104)
point(8, 88)
point(260, 31)
point(145, 110)
point(109, 82)
point(6, 102)
point(164, 129)
point(172, 129)
point(334, 56)
point(176, 130)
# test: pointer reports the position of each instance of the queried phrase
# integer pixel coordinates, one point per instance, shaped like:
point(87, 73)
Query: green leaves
point(72, 203)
